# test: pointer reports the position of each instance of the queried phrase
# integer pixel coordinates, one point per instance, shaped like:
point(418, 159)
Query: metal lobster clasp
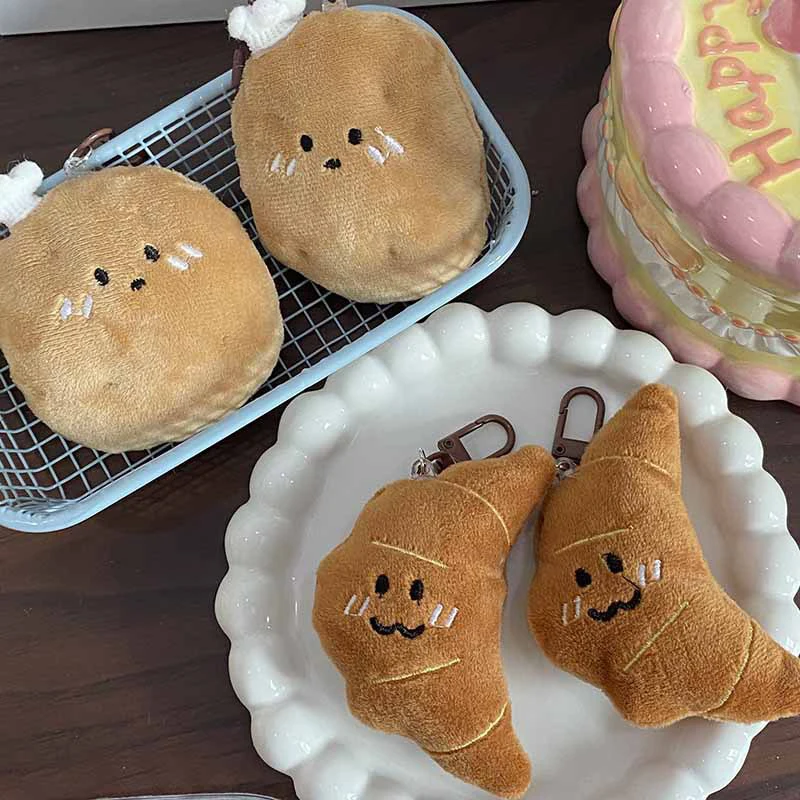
point(77, 161)
point(452, 450)
point(569, 452)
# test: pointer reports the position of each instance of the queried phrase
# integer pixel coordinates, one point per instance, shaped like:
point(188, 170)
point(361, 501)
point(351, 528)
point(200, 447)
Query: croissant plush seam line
point(482, 735)
point(641, 652)
point(485, 502)
point(739, 675)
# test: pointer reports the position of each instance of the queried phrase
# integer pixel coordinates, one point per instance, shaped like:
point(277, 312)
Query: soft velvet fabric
point(367, 230)
point(436, 542)
point(119, 351)
point(617, 530)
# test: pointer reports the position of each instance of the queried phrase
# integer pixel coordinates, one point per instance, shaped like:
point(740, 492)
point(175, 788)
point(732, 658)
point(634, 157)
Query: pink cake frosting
point(782, 25)
point(689, 168)
point(749, 380)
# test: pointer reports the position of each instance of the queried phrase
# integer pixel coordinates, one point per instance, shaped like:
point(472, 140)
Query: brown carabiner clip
point(77, 161)
point(92, 141)
point(452, 450)
point(573, 449)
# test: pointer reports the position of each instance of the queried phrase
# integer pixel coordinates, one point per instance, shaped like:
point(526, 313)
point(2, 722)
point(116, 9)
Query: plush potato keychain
point(409, 609)
point(623, 598)
point(358, 149)
point(134, 309)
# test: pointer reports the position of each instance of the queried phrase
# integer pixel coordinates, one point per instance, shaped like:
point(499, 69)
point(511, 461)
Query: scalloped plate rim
point(724, 769)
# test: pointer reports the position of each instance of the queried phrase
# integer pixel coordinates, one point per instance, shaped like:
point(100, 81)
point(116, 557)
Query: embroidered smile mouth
point(617, 606)
point(388, 630)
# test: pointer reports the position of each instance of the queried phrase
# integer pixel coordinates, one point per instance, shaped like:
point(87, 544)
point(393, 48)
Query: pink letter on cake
point(715, 40)
point(771, 169)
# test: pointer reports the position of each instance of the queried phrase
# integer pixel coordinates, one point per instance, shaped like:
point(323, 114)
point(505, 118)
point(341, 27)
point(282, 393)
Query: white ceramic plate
point(338, 445)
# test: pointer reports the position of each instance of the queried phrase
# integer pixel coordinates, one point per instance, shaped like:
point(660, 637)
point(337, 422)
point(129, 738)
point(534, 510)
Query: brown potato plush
point(623, 598)
point(359, 150)
point(409, 609)
point(134, 309)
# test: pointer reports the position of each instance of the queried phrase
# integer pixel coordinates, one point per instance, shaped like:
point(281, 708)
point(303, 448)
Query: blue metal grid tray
point(48, 483)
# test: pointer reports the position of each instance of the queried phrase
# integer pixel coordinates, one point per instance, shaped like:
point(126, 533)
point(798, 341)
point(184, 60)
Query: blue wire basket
point(48, 483)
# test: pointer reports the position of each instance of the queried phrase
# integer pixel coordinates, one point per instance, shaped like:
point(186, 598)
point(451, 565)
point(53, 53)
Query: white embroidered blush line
point(351, 602)
point(576, 606)
point(292, 167)
point(190, 250)
point(437, 612)
point(655, 573)
point(376, 155)
point(276, 163)
point(391, 143)
point(349, 605)
point(178, 263)
point(67, 308)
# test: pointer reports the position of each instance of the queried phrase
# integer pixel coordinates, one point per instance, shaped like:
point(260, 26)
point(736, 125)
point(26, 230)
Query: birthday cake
point(692, 186)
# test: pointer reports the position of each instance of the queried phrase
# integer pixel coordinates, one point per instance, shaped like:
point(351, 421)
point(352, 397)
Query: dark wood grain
point(113, 674)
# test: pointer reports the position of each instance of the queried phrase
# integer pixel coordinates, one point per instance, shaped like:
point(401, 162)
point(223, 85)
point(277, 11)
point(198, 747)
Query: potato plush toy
point(409, 609)
point(358, 149)
point(134, 309)
point(623, 598)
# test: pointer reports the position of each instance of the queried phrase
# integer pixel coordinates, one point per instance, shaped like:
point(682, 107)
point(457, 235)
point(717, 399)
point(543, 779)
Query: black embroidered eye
point(354, 136)
point(151, 253)
point(582, 578)
point(101, 276)
point(613, 562)
point(382, 585)
point(306, 142)
point(138, 283)
point(417, 590)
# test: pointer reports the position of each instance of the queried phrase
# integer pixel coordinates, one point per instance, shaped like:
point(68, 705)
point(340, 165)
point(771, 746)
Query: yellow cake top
point(746, 83)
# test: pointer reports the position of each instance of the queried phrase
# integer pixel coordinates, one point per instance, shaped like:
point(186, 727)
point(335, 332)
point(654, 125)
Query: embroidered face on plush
point(409, 609)
point(134, 309)
point(623, 598)
point(360, 153)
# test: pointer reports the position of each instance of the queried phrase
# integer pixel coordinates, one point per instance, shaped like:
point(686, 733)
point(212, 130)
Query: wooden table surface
point(113, 674)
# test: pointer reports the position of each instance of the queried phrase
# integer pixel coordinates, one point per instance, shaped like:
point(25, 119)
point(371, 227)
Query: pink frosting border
point(683, 162)
point(748, 380)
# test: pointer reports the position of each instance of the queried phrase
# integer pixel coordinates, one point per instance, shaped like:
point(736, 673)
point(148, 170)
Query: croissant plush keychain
point(623, 597)
point(409, 610)
point(358, 149)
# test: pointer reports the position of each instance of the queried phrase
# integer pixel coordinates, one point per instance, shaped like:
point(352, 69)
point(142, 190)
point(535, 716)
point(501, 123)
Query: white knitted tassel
point(265, 22)
point(18, 192)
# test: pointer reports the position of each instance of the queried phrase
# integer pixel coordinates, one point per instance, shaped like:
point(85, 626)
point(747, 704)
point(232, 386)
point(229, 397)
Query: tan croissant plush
point(358, 149)
point(134, 309)
point(409, 609)
point(623, 598)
